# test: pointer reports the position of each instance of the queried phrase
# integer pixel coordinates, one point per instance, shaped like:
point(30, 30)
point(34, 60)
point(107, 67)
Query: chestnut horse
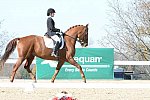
point(30, 46)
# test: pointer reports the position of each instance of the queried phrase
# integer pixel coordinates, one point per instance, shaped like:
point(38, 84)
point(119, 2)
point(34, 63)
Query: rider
point(51, 30)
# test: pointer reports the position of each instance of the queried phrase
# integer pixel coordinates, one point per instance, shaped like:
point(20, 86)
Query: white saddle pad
point(49, 43)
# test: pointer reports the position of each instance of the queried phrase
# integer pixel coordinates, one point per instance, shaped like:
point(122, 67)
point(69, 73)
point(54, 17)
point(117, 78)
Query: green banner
point(97, 63)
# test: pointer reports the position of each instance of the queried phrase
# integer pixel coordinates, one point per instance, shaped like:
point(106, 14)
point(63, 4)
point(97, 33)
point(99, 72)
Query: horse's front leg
point(60, 63)
point(73, 62)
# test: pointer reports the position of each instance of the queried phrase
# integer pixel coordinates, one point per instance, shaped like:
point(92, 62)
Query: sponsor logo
point(84, 60)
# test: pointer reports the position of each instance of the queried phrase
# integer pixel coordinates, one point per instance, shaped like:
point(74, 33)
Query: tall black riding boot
point(55, 49)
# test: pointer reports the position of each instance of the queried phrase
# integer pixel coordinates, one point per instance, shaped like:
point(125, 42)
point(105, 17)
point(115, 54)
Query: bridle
point(78, 39)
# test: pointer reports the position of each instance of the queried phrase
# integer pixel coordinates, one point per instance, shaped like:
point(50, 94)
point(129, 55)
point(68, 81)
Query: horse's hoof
point(84, 81)
point(35, 81)
point(11, 81)
point(52, 81)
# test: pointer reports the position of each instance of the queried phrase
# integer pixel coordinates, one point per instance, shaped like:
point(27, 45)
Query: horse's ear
point(87, 25)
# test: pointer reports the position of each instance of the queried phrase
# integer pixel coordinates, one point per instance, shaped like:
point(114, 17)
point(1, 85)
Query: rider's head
point(50, 12)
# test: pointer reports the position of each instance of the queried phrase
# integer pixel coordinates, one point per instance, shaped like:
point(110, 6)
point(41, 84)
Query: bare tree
point(4, 37)
point(129, 31)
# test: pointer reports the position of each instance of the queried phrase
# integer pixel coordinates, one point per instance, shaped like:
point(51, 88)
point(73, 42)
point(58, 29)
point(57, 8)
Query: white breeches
point(56, 38)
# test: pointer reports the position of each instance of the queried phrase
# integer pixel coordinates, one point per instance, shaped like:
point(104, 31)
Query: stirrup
point(53, 54)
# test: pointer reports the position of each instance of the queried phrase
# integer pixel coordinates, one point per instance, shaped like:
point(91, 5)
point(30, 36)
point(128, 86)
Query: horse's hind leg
point(27, 67)
point(15, 68)
point(60, 63)
point(73, 62)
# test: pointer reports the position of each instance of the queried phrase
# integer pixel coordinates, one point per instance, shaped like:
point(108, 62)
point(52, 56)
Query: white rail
point(131, 62)
point(115, 62)
point(14, 60)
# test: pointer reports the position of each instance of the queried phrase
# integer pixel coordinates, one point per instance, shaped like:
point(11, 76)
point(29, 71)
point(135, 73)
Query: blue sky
point(25, 17)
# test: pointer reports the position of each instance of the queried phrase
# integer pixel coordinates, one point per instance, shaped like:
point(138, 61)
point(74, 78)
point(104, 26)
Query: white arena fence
point(28, 85)
point(116, 63)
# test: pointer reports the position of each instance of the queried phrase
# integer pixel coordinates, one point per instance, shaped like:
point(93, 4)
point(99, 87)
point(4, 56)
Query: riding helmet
point(50, 10)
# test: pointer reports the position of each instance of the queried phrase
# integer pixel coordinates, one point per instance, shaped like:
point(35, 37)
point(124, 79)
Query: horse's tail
point(9, 49)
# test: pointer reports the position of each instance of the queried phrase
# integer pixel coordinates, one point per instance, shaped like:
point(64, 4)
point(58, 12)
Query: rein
point(72, 37)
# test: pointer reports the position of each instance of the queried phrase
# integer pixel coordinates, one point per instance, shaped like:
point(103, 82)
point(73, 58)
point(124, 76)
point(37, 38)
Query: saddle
point(50, 42)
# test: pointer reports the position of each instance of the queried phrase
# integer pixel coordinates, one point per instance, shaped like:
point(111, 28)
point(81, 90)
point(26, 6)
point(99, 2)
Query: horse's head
point(83, 36)
point(79, 33)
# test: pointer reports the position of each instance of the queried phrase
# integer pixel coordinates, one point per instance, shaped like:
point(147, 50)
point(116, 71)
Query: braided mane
point(73, 27)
